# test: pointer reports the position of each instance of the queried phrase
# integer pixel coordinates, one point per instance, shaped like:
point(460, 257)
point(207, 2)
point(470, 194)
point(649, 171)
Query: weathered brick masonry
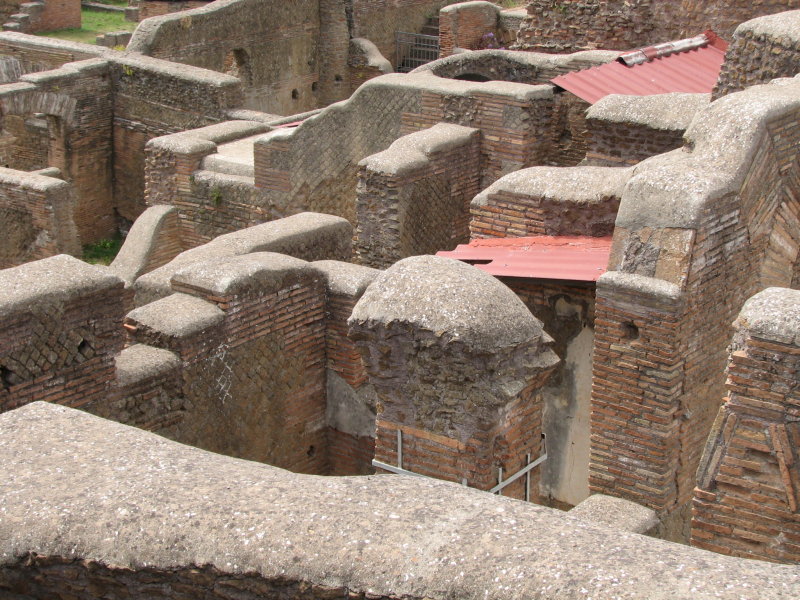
point(762, 49)
point(254, 370)
point(624, 130)
point(549, 201)
point(154, 98)
point(414, 197)
point(314, 166)
point(61, 322)
point(748, 484)
point(75, 135)
point(464, 24)
point(585, 24)
point(41, 15)
point(458, 364)
point(156, 8)
point(36, 218)
point(663, 318)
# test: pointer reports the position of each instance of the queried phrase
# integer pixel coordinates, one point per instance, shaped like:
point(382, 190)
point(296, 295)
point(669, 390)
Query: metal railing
point(501, 483)
point(414, 50)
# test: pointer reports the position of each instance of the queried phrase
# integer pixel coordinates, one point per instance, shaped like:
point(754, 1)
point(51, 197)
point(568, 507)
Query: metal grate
point(415, 49)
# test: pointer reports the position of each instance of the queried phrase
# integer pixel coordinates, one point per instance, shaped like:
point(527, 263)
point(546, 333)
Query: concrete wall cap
point(413, 151)
point(521, 92)
point(670, 112)
point(772, 314)
point(140, 362)
point(25, 40)
point(640, 284)
point(580, 185)
point(346, 279)
point(616, 514)
point(177, 315)
point(472, 5)
point(450, 298)
point(780, 25)
point(374, 57)
point(35, 181)
point(50, 281)
point(263, 272)
point(79, 487)
point(672, 189)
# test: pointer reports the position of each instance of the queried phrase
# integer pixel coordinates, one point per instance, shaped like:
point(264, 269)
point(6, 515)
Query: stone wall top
point(50, 281)
point(773, 314)
point(782, 25)
point(673, 111)
point(579, 185)
point(426, 291)
point(672, 189)
point(79, 487)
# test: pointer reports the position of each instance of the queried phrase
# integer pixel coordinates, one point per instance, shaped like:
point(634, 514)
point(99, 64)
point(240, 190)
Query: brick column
point(748, 484)
point(457, 362)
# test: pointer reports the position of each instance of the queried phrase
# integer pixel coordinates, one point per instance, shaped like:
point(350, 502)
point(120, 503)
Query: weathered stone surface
point(78, 487)
point(616, 514)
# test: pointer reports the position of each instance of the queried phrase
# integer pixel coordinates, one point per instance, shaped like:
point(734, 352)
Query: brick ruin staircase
point(233, 160)
point(21, 21)
point(420, 48)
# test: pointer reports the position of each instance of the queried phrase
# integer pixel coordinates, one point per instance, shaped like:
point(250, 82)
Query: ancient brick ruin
point(278, 313)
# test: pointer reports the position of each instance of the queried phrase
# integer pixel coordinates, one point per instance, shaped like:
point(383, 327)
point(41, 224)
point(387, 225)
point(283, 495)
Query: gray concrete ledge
point(80, 487)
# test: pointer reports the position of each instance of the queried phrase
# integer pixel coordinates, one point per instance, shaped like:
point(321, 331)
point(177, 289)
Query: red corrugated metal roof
point(693, 71)
point(567, 258)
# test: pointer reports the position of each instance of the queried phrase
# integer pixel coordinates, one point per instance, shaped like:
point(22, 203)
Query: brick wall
point(663, 323)
point(61, 324)
point(74, 136)
point(746, 500)
point(350, 397)
point(585, 24)
point(527, 203)
point(762, 49)
point(463, 25)
point(264, 314)
point(566, 310)
point(42, 15)
point(274, 49)
point(154, 98)
point(156, 8)
point(36, 218)
point(379, 20)
point(624, 130)
point(364, 62)
point(42, 54)
point(414, 197)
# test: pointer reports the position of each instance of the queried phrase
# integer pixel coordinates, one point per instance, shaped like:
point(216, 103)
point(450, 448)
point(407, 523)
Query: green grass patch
point(102, 252)
point(93, 23)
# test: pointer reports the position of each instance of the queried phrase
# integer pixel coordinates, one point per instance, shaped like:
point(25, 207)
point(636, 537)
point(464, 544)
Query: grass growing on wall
point(102, 252)
point(93, 23)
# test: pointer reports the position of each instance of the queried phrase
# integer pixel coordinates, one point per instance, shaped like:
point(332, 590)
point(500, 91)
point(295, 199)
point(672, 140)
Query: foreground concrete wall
point(748, 483)
point(622, 25)
point(91, 507)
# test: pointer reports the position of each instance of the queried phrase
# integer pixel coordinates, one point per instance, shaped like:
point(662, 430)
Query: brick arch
point(47, 103)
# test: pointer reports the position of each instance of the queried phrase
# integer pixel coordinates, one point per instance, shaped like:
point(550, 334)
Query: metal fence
point(415, 49)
